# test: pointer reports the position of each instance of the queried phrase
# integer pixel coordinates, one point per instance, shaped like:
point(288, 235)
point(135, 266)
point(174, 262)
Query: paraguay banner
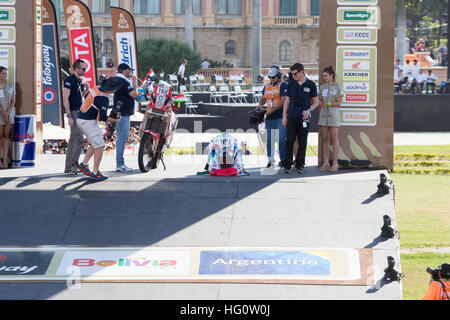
point(124, 32)
point(51, 83)
point(80, 37)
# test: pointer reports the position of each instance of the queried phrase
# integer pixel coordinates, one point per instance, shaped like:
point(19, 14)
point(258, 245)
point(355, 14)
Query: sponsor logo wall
point(8, 38)
point(184, 264)
point(356, 66)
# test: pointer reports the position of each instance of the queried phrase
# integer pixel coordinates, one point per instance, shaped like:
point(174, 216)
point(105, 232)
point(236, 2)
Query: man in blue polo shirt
point(301, 100)
point(126, 94)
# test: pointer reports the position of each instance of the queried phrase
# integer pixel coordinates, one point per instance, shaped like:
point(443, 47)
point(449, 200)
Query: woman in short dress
point(329, 121)
point(7, 113)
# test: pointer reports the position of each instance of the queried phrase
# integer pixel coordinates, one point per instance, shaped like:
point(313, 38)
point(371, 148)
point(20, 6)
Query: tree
point(162, 55)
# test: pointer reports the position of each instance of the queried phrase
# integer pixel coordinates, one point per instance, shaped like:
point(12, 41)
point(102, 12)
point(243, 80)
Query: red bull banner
point(80, 37)
point(51, 83)
point(124, 32)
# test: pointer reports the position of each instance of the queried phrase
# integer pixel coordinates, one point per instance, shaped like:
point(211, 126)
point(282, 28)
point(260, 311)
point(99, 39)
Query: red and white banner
point(80, 37)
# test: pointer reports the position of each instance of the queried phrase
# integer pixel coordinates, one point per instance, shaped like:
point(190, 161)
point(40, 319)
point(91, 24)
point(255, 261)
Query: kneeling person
point(95, 107)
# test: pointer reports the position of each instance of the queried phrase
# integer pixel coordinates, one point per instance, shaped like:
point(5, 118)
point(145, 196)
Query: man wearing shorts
point(95, 106)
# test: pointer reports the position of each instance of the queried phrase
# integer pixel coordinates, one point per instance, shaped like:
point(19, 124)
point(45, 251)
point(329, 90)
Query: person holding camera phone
point(95, 106)
point(126, 94)
point(73, 92)
point(439, 288)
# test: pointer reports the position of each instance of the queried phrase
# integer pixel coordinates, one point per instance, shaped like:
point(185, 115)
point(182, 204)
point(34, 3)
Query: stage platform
point(327, 222)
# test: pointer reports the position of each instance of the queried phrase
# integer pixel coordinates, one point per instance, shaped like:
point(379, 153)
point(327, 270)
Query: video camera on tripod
point(115, 115)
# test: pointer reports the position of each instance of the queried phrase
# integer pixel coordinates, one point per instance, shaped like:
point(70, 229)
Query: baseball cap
point(445, 270)
point(124, 66)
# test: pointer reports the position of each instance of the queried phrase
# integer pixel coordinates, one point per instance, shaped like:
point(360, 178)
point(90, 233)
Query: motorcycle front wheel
point(146, 159)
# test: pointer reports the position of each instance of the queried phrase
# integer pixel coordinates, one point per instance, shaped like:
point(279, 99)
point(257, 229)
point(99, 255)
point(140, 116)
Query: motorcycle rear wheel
point(146, 159)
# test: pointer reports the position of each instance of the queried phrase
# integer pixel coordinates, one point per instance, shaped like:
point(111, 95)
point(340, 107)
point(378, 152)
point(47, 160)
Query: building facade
point(222, 29)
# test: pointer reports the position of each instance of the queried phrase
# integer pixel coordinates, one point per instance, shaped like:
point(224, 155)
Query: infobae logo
point(263, 263)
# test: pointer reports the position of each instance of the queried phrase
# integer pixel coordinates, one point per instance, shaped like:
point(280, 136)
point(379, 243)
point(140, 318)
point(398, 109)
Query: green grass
point(416, 280)
point(441, 149)
point(422, 205)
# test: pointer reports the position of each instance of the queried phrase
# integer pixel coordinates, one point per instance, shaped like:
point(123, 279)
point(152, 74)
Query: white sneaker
point(123, 168)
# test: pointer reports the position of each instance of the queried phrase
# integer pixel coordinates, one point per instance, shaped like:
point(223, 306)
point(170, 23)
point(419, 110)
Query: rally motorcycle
point(158, 126)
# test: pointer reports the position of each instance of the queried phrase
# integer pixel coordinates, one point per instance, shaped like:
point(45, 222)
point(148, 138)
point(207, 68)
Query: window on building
point(147, 7)
point(230, 47)
point(108, 46)
point(315, 7)
point(228, 7)
point(103, 6)
point(285, 51)
point(288, 8)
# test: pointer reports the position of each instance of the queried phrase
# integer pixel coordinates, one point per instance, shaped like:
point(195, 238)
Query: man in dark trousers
point(127, 94)
point(301, 100)
point(73, 91)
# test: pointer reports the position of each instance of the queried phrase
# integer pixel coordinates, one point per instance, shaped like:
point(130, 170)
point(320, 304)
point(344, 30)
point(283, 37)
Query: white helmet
point(274, 71)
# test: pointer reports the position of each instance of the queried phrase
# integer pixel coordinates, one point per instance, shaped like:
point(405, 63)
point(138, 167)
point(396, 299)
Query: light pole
point(98, 47)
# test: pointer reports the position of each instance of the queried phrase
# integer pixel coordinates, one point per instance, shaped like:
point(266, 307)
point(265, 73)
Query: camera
point(115, 115)
point(256, 116)
point(435, 273)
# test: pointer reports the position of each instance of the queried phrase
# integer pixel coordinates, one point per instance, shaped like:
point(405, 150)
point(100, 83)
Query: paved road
point(41, 206)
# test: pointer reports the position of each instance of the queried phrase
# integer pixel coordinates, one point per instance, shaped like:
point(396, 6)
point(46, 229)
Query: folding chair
point(190, 107)
point(173, 81)
point(257, 93)
point(202, 82)
point(214, 95)
point(226, 93)
point(240, 95)
point(219, 80)
point(193, 82)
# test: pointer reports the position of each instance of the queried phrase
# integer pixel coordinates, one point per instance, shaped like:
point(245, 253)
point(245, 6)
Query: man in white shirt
point(205, 63)
point(419, 81)
point(180, 74)
point(406, 70)
point(415, 69)
point(430, 81)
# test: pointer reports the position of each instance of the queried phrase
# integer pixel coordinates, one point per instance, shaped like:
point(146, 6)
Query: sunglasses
point(294, 73)
point(82, 69)
point(272, 77)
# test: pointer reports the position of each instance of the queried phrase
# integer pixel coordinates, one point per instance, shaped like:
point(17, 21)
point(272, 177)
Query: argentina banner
point(125, 38)
point(51, 88)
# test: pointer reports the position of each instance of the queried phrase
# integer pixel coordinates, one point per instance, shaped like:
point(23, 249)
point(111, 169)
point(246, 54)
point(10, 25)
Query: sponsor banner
point(357, 35)
point(358, 117)
point(126, 50)
point(7, 34)
point(357, 2)
point(80, 40)
point(356, 75)
point(358, 15)
point(355, 87)
point(24, 263)
point(51, 84)
point(7, 15)
point(356, 65)
point(7, 2)
point(356, 68)
point(8, 60)
point(80, 37)
point(124, 32)
point(185, 264)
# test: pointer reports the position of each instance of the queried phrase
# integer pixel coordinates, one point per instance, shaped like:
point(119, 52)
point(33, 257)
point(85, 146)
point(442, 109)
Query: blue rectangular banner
point(263, 263)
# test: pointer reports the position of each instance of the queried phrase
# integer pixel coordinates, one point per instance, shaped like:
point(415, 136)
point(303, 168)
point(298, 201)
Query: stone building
point(222, 29)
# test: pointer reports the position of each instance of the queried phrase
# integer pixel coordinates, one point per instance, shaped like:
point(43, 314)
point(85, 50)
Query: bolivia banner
point(124, 32)
point(51, 83)
point(80, 37)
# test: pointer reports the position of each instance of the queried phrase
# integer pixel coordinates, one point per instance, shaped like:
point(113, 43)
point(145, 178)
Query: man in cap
point(274, 94)
point(439, 288)
point(95, 106)
point(127, 94)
